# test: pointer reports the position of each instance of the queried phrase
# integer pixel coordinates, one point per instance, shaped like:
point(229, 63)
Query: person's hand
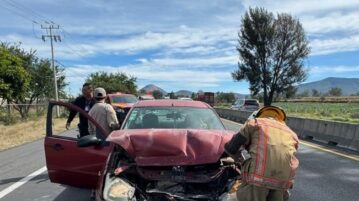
point(68, 124)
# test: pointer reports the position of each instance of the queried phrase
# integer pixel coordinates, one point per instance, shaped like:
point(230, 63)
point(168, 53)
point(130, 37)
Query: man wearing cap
point(269, 172)
point(103, 113)
point(85, 102)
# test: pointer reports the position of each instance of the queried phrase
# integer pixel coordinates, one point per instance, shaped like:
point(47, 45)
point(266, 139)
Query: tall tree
point(14, 80)
point(113, 82)
point(272, 52)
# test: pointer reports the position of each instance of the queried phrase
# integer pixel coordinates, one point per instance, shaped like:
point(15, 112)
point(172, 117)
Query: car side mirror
point(88, 140)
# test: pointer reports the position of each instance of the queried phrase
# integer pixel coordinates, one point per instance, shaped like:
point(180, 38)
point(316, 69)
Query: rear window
point(173, 117)
point(251, 102)
point(123, 99)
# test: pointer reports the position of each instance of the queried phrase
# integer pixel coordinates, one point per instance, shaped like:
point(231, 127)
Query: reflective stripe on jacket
point(272, 146)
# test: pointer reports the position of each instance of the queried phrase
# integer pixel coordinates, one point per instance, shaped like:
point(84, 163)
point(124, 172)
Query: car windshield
point(251, 102)
point(123, 99)
point(173, 117)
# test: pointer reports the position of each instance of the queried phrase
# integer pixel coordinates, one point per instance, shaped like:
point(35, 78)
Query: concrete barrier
point(331, 132)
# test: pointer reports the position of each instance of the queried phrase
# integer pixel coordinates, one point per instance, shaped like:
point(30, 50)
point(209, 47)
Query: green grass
point(343, 112)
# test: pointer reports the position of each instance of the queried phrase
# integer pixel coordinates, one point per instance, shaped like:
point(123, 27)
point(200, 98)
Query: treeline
point(334, 91)
point(26, 79)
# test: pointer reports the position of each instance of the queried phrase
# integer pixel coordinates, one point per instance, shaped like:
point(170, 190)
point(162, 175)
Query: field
point(28, 131)
point(343, 112)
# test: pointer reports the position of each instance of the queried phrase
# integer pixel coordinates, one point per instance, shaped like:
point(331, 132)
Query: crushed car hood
point(168, 147)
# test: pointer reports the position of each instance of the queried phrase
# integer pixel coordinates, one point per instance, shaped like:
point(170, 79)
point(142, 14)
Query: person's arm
point(235, 146)
point(112, 118)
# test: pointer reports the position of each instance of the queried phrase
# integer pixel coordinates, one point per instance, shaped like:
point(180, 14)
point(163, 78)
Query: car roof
point(119, 94)
point(171, 103)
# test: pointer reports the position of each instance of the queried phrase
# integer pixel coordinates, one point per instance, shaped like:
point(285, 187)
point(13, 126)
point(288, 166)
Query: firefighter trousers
point(248, 192)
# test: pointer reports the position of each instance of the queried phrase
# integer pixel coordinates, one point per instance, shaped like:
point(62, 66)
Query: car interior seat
point(150, 120)
point(192, 122)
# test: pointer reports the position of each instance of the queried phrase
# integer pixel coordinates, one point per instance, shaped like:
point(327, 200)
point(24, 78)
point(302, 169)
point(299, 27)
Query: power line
point(26, 9)
point(17, 13)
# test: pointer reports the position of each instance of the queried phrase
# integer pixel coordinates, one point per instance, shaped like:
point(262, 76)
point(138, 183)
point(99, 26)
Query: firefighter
point(269, 171)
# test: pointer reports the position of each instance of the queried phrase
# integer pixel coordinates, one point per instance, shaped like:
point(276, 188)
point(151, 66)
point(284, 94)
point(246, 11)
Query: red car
point(165, 150)
point(122, 103)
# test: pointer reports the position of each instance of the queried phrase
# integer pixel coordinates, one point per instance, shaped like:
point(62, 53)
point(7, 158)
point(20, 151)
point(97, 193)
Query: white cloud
point(303, 6)
point(334, 69)
point(193, 62)
point(327, 46)
point(333, 22)
point(185, 78)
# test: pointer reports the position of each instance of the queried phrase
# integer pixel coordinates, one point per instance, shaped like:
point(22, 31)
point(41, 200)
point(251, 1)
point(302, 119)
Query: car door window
point(58, 116)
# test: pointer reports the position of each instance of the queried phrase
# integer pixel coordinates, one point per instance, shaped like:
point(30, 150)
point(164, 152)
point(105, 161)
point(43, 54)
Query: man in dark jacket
point(85, 102)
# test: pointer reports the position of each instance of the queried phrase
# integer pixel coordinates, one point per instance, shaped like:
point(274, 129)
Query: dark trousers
point(83, 130)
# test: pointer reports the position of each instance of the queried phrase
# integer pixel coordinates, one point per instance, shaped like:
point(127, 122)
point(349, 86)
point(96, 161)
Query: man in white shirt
point(103, 113)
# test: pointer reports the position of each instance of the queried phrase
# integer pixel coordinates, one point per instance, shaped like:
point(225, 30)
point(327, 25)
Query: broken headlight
point(117, 189)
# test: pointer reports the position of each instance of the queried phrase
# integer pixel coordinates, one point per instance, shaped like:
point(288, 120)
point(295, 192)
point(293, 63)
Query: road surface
point(322, 176)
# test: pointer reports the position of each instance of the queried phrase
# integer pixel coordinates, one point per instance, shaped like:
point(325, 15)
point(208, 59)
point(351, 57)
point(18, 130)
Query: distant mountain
point(151, 87)
point(184, 93)
point(348, 85)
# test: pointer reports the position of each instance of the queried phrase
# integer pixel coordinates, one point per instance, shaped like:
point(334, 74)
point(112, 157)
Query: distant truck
point(207, 97)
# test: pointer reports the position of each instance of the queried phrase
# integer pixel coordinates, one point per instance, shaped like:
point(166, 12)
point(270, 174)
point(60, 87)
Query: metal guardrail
point(334, 133)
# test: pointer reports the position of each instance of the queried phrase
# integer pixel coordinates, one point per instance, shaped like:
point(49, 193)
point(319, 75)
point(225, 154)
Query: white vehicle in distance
point(184, 98)
point(246, 105)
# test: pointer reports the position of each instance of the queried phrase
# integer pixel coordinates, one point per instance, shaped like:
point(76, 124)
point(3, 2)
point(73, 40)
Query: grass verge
point(24, 132)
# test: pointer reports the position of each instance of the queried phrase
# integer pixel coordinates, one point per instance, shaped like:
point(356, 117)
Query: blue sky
point(175, 44)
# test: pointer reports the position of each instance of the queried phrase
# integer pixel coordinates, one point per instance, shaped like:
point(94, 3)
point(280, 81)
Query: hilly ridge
point(349, 86)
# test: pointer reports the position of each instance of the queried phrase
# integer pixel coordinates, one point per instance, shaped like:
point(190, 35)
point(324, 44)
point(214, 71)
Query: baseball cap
point(100, 92)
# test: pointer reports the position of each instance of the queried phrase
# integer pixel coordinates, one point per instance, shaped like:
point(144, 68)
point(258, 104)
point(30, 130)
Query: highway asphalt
point(322, 176)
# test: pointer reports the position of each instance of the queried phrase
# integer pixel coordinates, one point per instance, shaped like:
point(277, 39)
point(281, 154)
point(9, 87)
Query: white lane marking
point(23, 181)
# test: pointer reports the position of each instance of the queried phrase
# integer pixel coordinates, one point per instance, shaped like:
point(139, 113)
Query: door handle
point(57, 147)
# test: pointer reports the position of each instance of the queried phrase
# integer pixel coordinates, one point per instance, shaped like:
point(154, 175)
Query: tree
point(41, 79)
point(193, 96)
point(315, 93)
point(304, 94)
point(113, 82)
point(172, 95)
point(335, 91)
point(157, 94)
point(272, 51)
point(14, 80)
point(225, 97)
point(290, 92)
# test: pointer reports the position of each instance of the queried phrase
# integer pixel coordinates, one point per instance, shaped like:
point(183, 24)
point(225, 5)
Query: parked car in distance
point(246, 105)
point(184, 98)
point(166, 150)
point(122, 103)
point(146, 97)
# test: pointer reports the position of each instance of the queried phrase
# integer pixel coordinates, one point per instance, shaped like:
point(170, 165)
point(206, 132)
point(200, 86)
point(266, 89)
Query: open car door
point(66, 162)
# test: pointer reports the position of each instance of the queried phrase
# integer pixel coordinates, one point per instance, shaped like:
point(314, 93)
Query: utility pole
point(55, 38)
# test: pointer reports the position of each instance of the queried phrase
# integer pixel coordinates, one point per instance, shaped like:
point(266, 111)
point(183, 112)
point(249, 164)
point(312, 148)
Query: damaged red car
point(165, 150)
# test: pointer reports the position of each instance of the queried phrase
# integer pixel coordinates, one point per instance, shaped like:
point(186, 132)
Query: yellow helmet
point(272, 111)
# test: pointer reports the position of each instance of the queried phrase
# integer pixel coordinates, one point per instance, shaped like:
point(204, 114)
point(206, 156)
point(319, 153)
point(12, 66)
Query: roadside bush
point(8, 119)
